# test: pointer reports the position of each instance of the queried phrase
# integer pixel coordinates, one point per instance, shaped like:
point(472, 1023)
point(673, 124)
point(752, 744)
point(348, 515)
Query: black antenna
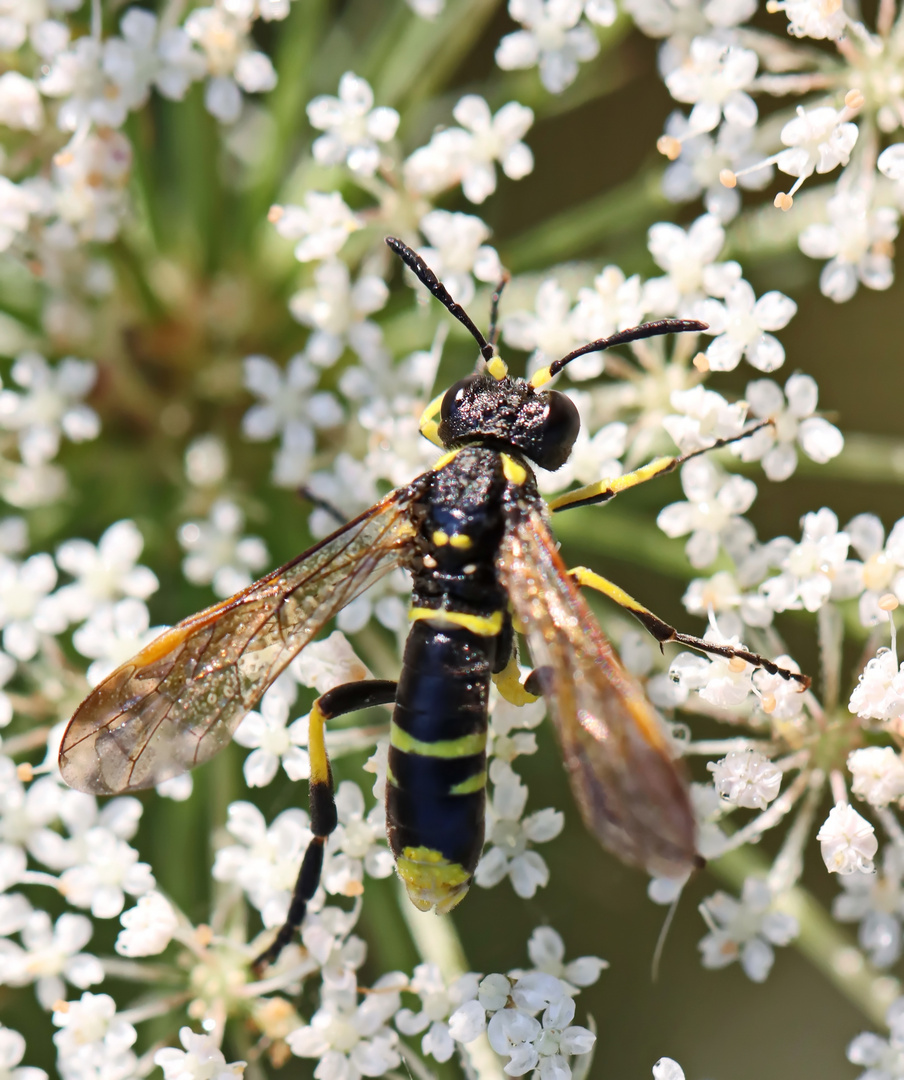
point(646, 330)
point(412, 260)
point(494, 307)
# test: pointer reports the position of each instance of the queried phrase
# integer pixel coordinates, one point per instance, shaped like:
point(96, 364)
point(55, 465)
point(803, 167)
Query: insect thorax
point(460, 525)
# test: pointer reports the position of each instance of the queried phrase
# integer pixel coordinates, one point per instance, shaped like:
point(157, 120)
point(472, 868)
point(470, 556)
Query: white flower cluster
point(343, 414)
point(745, 929)
point(714, 62)
point(467, 155)
point(46, 406)
point(352, 126)
point(105, 601)
point(88, 85)
point(525, 1015)
point(695, 285)
point(876, 902)
point(534, 1031)
point(880, 1055)
point(557, 35)
point(380, 395)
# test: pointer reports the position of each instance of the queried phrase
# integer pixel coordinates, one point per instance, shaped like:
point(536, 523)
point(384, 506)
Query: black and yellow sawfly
point(474, 533)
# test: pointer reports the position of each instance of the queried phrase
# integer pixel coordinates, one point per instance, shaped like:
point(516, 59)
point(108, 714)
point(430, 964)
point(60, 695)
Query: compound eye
point(560, 429)
point(455, 394)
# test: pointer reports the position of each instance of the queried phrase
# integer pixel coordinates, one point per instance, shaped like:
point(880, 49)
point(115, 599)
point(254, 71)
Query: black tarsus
point(636, 333)
point(305, 887)
point(665, 634)
point(731, 651)
point(424, 274)
point(349, 697)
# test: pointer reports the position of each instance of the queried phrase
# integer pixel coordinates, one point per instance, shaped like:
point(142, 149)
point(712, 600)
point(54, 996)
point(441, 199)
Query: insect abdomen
point(435, 791)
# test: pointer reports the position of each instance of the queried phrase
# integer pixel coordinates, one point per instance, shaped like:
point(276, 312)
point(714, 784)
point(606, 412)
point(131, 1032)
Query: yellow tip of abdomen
point(431, 880)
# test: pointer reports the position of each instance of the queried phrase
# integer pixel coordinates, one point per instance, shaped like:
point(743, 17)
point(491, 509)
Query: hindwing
point(631, 792)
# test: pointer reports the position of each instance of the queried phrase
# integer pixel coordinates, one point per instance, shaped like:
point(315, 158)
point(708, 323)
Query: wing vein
point(631, 793)
point(181, 698)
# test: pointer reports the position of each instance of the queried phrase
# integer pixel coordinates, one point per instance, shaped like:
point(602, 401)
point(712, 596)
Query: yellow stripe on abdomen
point(482, 625)
point(464, 746)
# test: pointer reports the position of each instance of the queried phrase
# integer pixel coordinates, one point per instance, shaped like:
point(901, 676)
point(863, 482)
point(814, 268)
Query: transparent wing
point(178, 702)
point(631, 793)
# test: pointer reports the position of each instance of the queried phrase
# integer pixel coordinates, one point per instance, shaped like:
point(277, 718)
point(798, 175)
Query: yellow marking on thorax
point(513, 470)
point(443, 461)
point(482, 625)
point(465, 746)
point(457, 540)
point(497, 368)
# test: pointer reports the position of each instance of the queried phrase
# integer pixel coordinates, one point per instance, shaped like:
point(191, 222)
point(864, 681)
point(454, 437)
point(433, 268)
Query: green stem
point(144, 187)
point(437, 942)
point(377, 653)
point(133, 266)
point(425, 54)
point(628, 536)
point(820, 940)
point(193, 158)
point(248, 1052)
point(296, 47)
point(435, 939)
point(575, 231)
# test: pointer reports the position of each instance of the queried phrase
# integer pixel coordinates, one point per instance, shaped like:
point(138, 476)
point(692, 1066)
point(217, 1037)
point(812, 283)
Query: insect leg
point(323, 504)
point(508, 683)
point(603, 490)
point(666, 634)
point(350, 697)
point(506, 671)
point(428, 425)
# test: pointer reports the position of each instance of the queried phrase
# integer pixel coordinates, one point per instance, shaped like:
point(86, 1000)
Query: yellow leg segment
point(320, 762)
point(428, 426)
point(603, 490)
point(347, 698)
point(508, 683)
point(667, 634)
